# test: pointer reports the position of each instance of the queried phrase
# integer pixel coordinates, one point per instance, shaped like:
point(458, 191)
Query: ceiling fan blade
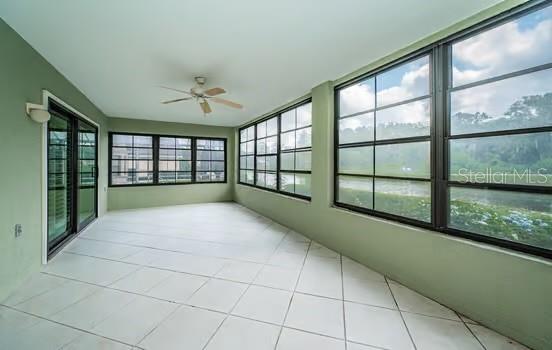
point(176, 100)
point(214, 91)
point(177, 90)
point(226, 102)
point(205, 107)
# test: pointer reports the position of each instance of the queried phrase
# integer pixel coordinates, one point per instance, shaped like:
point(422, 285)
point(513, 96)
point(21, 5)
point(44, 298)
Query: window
point(210, 161)
point(140, 160)
point(383, 157)
point(175, 159)
point(473, 159)
point(131, 159)
point(247, 155)
point(275, 153)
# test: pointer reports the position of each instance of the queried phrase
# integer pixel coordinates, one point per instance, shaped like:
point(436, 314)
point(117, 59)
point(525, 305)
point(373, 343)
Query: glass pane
point(217, 145)
point(260, 179)
point(165, 165)
point(59, 202)
point(516, 45)
point(184, 165)
point(411, 199)
point(165, 177)
point(304, 117)
point(303, 161)
point(243, 148)
point(270, 180)
point(407, 120)
point(242, 174)
point(288, 120)
point(203, 166)
point(250, 147)
point(143, 165)
point(217, 155)
point(243, 135)
point(122, 165)
point(287, 161)
point(143, 153)
point(287, 140)
point(261, 146)
point(183, 177)
point(303, 184)
point(142, 141)
point(261, 163)
point(303, 138)
point(261, 130)
point(271, 163)
point(515, 103)
point(167, 142)
point(287, 182)
point(167, 154)
point(183, 154)
point(510, 159)
point(357, 98)
point(183, 143)
point(356, 160)
point(249, 175)
point(272, 126)
point(122, 153)
point(272, 145)
point(359, 128)
point(203, 144)
point(404, 82)
point(203, 155)
point(144, 178)
point(251, 133)
point(122, 140)
point(122, 178)
point(217, 166)
point(203, 176)
point(218, 176)
point(405, 160)
point(250, 162)
point(243, 162)
point(357, 191)
point(516, 216)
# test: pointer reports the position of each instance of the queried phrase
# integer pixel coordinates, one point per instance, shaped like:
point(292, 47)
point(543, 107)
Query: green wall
point(504, 290)
point(151, 196)
point(23, 75)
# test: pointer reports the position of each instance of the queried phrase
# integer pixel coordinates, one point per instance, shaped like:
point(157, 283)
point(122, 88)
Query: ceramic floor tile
point(285, 259)
point(494, 341)
point(187, 328)
point(321, 276)
point(93, 342)
point(141, 281)
point(88, 269)
point(200, 265)
point(436, 333)
point(409, 300)
point(218, 295)
point(101, 249)
point(134, 321)
point(242, 334)
point(376, 326)
point(91, 310)
point(57, 299)
point(178, 287)
point(316, 314)
point(292, 339)
point(43, 335)
point(353, 269)
point(39, 283)
point(317, 249)
point(264, 304)
point(277, 277)
point(12, 321)
point(239, 271)
point(368, 292)
point(356, 346)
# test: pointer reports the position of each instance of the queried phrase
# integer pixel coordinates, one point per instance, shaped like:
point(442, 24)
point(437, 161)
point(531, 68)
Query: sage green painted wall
point(504, 290)
point(23, 75)
point(153, 196)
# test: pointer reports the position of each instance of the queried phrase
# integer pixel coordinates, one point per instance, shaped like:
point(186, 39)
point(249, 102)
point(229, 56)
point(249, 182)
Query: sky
point(515, 45)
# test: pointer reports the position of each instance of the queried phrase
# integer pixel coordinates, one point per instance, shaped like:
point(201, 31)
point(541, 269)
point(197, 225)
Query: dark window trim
point(440, 133)
point(254, 124)
point(156, 147)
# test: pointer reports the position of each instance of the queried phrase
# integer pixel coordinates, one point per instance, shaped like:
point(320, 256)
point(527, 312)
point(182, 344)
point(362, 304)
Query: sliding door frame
point(48, 97)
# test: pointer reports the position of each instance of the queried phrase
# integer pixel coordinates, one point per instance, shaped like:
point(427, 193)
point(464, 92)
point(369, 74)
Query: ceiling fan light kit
point(202, 96)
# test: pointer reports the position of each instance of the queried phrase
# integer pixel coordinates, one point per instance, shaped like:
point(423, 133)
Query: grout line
point(400, 313)
point(470, 330)
point(292, 295)
point(343, 304)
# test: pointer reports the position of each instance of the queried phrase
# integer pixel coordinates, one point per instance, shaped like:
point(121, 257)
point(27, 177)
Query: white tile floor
point(219, 276)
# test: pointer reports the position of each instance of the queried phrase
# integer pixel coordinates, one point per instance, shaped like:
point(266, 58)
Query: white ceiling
point(263, 53)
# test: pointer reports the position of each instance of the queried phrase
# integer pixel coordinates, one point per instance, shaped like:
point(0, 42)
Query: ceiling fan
point(202, 96)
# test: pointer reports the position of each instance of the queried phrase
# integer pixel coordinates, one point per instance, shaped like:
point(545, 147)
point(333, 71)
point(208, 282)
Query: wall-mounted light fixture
point(38, 113)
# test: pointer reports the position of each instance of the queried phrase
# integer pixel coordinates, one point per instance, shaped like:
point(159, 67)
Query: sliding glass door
point(72, 175)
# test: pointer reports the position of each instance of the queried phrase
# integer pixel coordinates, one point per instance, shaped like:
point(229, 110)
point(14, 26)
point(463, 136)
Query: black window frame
point(254, 124)
point(441, 80)
point(156, 159)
